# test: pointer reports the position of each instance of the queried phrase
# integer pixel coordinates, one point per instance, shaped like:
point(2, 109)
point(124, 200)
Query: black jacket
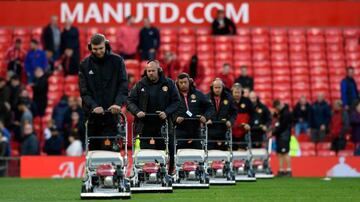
point(305, 115)
point(198, 103)
point(168, 99)
point(30, 145)
point(149, 38)
point(103, 82)
point(40, 90)
point(245, 81)
point(227, 108)
point(282, 128)
point(228, 29)
point(261, 116)
point(70, 39)
point(47, 39)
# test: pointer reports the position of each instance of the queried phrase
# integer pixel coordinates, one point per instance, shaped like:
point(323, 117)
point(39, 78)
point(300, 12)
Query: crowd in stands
point(58, 51)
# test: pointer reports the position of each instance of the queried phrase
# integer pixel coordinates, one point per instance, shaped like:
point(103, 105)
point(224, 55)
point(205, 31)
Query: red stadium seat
point(259, 31)
point(204, 39)
point(72, 79)
point(278, 31)
point(279, 56)
point(334, 48)
point(132, 64)
point(279, 47)
point(308, 153)
point(326, 153)
point(323, 146)
point(346, 153)
point(260, 56)
point(242, 56)
point(188, 48)
point(281, 78)
point(261, 47)
point(223, 47)
point(296, 32)
point(110, 31)
point(168, 39)
point(186, 39)
point(241, 40)
point(183, 31)
point(297, 39)
point(223, 39)
point(243, 31)
point(335, 56)
point(260, 39)
point(336, 64)
point(300, 47)
point(314, 32)
point(337, 72)
point(281, 71)
point(261, 64)
point(296, 56)
point(278, 39)
point(317, 56)
point(280, 64)
point(168, 32)
point(333, 32)
point(307, 146)
point(353, 56)
point(334, 39)
point(300, 71)
point(351, 33)
point(316, 39)
point(317, 63)
point(316, 48)
point(242, 47)
point(205, 48)
point(206, 56)
point(203, 31)
point(300, 63)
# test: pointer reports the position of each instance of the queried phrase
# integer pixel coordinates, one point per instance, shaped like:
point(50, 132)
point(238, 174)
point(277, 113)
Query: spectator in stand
point(223, 25)
point(246, 92)
point(355, 126)
point(339, 126)
point(320, 119)
point(75, 147)
point(74, 106)
point(260, 121)
point(349, 90)
point(15, 57)
point(302, 116)
point(245, 80)
point(226, 76)
point(75, 125)
point(14, 90)
point(68, 62)
point(5, 107)
point(4, 145)
point(282, 132)
point(196, 70)
point(34, 58)
point(59, 113)
point(128, 39)
point(131, 81)
point(245, 110)
point(53, 145)
point(171, 65)
point(40, 90)
point(149, 41)
point(6, 134)
point(70, 49)
point(30, 144)
point(26, 115)
point(51, 38)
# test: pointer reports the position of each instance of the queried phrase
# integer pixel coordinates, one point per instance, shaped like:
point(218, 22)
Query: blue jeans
point(301, 127)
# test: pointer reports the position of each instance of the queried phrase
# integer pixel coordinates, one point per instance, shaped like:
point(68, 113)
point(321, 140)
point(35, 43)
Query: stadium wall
point(73, 167)
point(184, 13)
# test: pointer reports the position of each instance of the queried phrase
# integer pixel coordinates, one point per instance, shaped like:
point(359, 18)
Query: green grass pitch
point(278, 189)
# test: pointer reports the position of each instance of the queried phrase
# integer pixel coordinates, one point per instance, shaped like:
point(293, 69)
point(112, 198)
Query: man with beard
point(260, 121)
point(194, 104)
point(225, 110)
point(153, 94)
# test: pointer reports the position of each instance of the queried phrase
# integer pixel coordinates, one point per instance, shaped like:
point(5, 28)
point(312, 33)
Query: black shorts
point(282, 146)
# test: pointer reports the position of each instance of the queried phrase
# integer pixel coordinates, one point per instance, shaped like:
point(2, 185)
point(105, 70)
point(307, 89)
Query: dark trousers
point(217, 137)
point(101, 126)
